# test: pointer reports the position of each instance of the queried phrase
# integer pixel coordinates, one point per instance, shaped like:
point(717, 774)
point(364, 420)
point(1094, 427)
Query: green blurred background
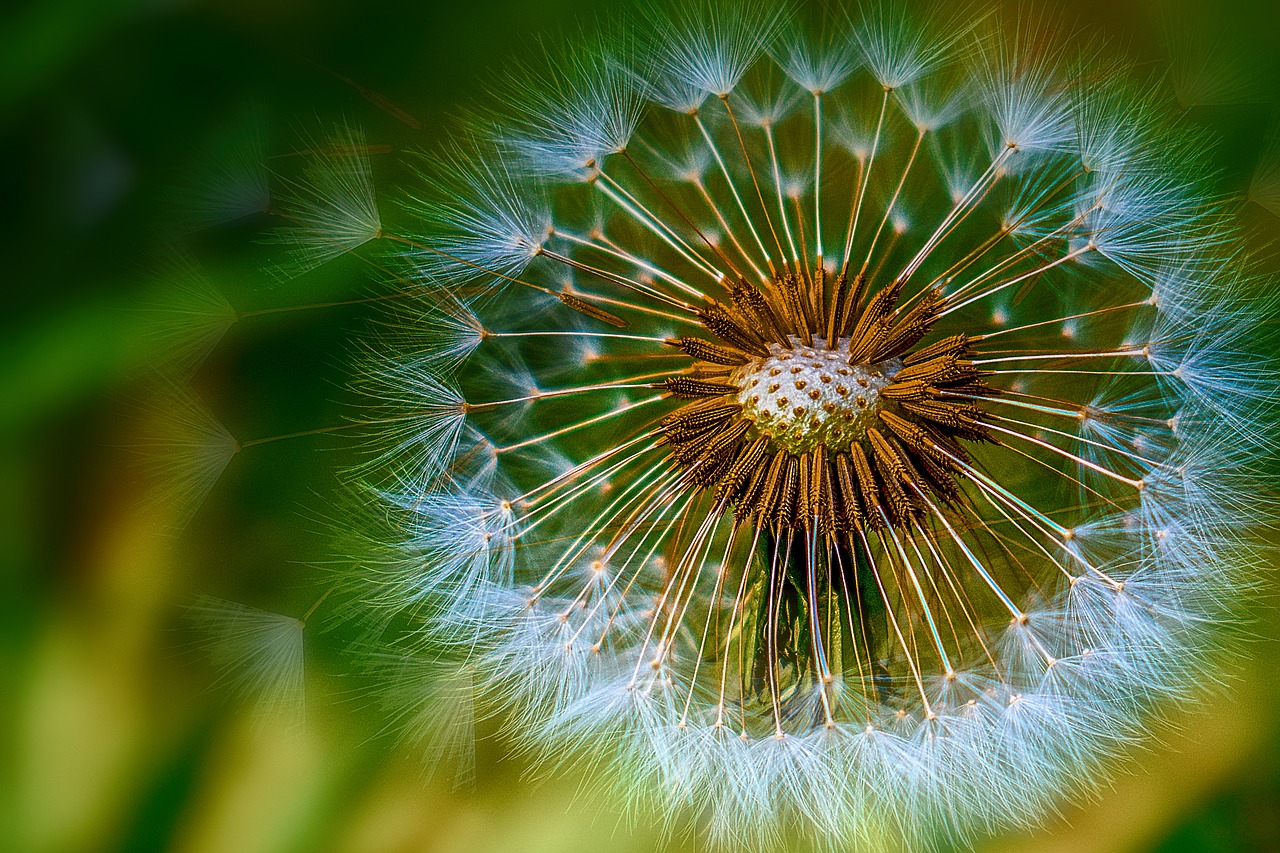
point(116, 733)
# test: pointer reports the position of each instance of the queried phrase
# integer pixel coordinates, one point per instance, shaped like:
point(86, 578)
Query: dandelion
point(433, 706)
point(330, 210)
point(846, 432)
point(259, 653)
point(332, 206)
point(1264, 189)
point(187, 324)
point(234, 181)
point(187, 448)
point(1205, 68)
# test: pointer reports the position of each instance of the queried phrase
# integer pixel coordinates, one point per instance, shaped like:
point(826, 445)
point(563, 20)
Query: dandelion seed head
point(847, 441)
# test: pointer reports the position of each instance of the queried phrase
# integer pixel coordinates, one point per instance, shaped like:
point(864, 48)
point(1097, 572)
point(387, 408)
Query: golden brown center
point(796, 433)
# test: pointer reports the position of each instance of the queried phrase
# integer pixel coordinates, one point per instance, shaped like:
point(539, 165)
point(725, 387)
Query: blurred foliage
point(115, 733)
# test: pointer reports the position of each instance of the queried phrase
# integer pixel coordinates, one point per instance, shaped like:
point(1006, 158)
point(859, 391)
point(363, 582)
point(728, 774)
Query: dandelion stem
point(1043, 463)
point(262, 312)
point(775, 581)
point(893, 201)
point(313, 608)
point(582, 467)
point(924, 601)
point(733, 188)
point(571, 427)
point(477, 267)
point(817, 175)
point(1127, 306)
point(1080, 438)
point(632, 382)
point(864, 178)
point(631, 259)
point(977, 191)
point(815, 625)
point(578, 334)
point(660, 228)
point(782, 209)
point(706, 628)
point(1079, 460)
point(587, 296)
point(617, 279)
point(1049, 354)
point(957, 590)
point(755, 182)
point(897, 629)
point(973, 561)
point(1070, 256)
point(729, 231)
point(244, 445)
